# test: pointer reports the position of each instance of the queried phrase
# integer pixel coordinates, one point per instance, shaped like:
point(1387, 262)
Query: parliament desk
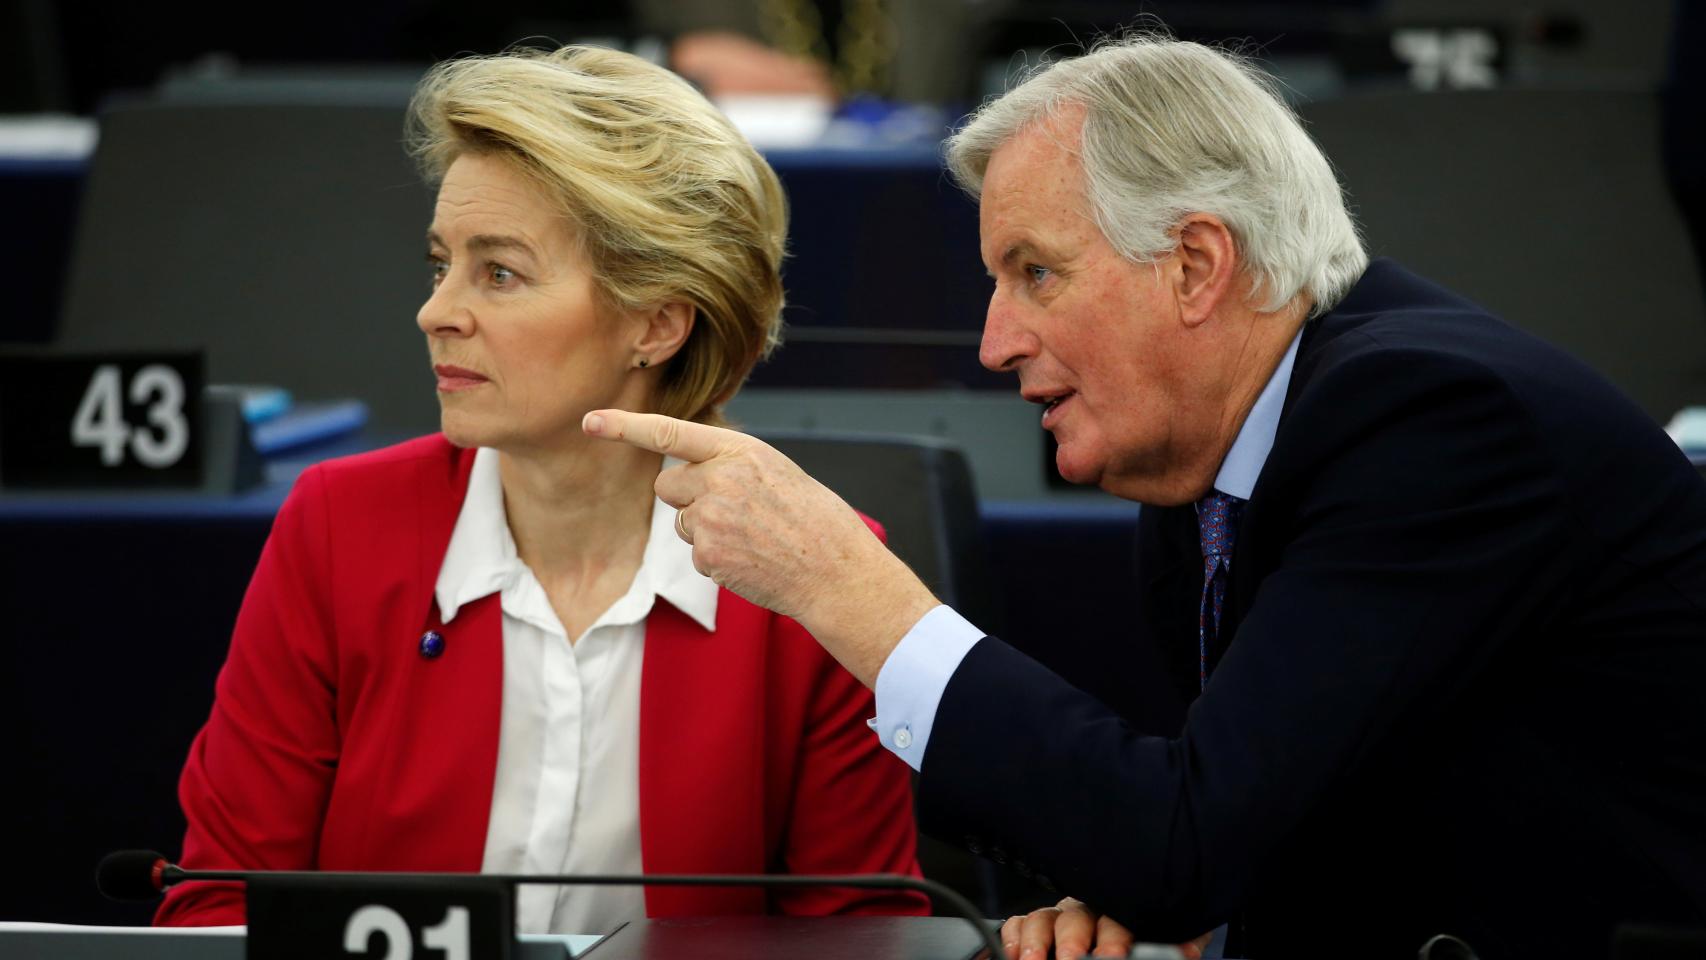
point(701, 938)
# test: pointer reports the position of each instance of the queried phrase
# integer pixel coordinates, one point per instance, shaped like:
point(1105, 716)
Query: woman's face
point(519, 341)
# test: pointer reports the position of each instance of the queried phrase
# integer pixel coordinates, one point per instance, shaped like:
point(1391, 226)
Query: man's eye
point(439, 268)
point(502, 275)
point(1036, 273)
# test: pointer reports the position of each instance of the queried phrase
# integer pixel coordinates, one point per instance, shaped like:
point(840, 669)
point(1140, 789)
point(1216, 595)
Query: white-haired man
point(1444, 589)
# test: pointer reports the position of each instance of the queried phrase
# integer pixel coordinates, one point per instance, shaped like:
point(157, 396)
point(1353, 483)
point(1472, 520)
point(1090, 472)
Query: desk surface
point(54, 941)
point(703, 938)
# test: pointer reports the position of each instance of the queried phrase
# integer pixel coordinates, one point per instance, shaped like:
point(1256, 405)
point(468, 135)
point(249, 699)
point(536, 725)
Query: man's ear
point(1205, 267)
point(665, 329)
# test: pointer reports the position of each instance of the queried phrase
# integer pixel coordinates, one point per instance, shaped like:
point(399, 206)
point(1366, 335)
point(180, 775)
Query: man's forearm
point(861, 620)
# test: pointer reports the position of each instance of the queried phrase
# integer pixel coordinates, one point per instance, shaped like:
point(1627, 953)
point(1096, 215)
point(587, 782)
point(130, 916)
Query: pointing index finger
point(693, 442)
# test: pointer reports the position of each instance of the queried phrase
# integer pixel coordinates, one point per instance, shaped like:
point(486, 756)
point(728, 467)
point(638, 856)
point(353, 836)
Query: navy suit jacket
point(1462, 686)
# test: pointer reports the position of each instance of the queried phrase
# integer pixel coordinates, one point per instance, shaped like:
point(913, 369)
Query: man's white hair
point(1173, 128)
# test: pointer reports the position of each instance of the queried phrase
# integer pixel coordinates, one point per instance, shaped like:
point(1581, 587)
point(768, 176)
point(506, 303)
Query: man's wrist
point(911, 681)
point(861, 624)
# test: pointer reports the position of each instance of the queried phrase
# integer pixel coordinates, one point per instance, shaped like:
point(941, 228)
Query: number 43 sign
point(100, 421)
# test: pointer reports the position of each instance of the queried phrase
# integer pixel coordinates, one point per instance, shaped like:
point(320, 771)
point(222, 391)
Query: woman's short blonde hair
point(671, 202)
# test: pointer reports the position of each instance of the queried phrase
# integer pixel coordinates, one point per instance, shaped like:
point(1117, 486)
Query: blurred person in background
point(70, 55)
point(487, 650)
point(906, 50)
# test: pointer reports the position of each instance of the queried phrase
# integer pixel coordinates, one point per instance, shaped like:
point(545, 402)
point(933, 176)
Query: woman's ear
point(665, 329)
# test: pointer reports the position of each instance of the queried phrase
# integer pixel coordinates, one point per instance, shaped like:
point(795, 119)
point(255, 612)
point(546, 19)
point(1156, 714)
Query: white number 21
point(449, 935)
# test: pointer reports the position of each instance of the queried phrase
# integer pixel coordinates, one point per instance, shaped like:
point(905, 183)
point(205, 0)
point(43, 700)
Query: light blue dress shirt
point(911, 681)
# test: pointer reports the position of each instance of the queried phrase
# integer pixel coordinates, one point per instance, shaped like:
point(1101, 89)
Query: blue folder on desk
point(307, 424)
point(278, 424)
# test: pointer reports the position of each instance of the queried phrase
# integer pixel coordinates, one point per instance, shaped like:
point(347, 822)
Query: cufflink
point(432, 645)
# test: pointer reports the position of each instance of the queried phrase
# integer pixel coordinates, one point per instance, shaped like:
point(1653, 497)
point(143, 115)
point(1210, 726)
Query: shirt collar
point(481, 556)
point(668, 563)
point(1255, 440)
point(482, 560)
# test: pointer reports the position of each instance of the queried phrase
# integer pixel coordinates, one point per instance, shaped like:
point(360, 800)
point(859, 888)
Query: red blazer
point(335, 745)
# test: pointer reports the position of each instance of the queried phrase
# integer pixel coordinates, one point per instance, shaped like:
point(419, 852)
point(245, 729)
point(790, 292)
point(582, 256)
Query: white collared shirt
point(567, 794)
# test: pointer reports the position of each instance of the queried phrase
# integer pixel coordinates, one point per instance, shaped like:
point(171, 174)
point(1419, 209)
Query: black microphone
point(145, 874)
point(131, 875)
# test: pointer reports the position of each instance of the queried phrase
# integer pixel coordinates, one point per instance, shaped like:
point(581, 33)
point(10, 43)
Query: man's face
point(1094, 337)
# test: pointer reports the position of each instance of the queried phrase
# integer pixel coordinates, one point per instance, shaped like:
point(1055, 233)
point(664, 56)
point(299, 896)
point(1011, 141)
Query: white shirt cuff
point(911, 681)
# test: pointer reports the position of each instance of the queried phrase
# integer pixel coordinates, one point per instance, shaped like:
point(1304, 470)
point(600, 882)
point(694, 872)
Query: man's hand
point(1074, 931)
point(764, 529)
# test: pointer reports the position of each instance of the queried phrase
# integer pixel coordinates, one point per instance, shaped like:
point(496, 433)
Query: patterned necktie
point(1217, 523)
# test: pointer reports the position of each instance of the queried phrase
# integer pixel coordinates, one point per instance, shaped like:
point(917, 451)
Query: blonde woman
point(487, 649)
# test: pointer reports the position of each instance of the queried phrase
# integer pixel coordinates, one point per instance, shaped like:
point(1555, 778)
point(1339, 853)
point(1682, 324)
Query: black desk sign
point(469, 918)
point(100, 421)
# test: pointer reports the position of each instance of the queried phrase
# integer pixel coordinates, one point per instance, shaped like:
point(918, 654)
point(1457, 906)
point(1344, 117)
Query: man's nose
point(1006, 339)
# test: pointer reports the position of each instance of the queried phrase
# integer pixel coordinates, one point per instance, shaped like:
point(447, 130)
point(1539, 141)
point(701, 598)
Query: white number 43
point(100, 416)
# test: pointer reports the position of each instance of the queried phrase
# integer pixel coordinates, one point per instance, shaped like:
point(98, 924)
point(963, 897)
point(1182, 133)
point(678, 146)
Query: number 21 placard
point(114, 421)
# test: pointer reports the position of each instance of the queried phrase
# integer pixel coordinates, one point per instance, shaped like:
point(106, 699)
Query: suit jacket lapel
point(1243, 578)
point(1250, 558)
point(458, 697)
point(1169, 563)
point(463, 756)
point(441, 491)
point(702, 705)
point(430, 735)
